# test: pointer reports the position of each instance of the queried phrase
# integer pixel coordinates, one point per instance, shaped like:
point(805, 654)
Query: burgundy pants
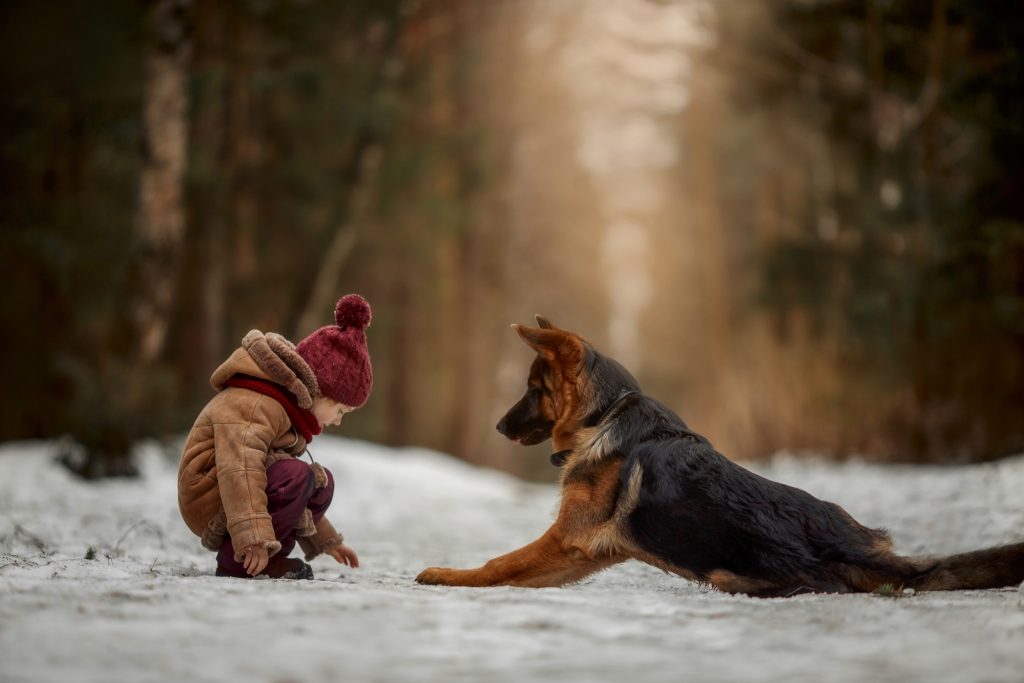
point(290, 490)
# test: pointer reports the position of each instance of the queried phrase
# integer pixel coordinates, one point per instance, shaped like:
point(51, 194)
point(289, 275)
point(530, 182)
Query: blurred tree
point(70, 163)
point(290, 102)
point(292, 108)
point(896, 127)
point(161, 217)
point(125, 385)
point(430, 175)
point(136, 384)
point(858, 192)
point(332, 151)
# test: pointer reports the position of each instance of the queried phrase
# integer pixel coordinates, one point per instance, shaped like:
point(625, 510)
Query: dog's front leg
point(548, 561)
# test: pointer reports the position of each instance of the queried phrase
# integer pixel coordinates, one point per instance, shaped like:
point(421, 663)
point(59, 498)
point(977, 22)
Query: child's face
point(329, 412)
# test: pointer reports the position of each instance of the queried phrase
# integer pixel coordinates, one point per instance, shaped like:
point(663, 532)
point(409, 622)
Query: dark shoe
point(287, 568)
point(221, 571)
point(278, 568)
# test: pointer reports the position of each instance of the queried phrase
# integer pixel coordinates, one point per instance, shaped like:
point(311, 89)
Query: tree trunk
point(204, 333)
point(161, 217)
point(130, 384)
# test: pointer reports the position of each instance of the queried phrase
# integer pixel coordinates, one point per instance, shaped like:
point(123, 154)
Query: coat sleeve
point(241, 444)
point(325, 538)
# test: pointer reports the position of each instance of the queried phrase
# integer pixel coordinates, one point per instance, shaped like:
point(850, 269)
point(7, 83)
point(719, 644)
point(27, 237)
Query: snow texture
point(146, 606)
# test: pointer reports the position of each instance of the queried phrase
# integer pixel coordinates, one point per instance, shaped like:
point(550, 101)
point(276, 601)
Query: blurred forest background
point(798, 222)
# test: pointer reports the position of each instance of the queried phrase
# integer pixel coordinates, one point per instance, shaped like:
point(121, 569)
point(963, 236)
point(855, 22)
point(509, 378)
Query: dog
point(637, 483)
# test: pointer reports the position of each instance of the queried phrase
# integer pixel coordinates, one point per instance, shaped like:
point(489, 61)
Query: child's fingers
point(256, 560)
point(353, 559)
point(345, 556)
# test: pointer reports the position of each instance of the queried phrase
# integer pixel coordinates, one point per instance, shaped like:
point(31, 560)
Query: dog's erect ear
point(553, 344)
point(539, 339)
point(543, 322)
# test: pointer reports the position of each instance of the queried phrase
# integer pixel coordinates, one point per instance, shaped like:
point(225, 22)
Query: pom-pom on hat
point(337, 353)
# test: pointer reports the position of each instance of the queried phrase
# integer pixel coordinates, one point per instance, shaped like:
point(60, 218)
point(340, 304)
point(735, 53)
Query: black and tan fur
point(637, 483)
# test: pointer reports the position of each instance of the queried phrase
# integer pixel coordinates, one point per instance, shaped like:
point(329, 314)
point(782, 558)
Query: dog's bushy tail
point(989, 568)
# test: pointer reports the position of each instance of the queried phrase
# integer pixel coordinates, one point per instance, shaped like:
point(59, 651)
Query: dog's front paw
point(437, 576)
point(441, 576)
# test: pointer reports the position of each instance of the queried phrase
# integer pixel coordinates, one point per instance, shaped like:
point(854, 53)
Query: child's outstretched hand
point(344, 555)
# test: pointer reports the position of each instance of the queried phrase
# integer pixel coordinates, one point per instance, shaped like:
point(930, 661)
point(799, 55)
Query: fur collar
point(277, 357)
point(273, 358)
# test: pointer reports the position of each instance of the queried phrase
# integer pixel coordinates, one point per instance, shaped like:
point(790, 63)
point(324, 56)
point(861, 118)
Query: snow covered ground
point(146, 606)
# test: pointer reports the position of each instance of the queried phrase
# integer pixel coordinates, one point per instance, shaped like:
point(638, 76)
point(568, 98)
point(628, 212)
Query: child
point(241, 485)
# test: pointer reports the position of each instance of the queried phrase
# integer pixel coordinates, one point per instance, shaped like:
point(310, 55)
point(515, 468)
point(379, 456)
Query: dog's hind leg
point(729, 582)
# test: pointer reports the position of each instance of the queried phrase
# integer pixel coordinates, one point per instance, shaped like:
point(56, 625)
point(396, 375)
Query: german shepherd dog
point(637, 483)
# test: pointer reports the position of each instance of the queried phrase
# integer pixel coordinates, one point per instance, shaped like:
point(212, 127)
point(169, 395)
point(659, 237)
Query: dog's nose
point(502, 426)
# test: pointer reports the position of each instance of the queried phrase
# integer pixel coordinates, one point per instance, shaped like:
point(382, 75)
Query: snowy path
point(147, 608)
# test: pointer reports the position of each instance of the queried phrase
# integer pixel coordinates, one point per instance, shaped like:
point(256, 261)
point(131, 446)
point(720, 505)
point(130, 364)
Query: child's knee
point(323, 495)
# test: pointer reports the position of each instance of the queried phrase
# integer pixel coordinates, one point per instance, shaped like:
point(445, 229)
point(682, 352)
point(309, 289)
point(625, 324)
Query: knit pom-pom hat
point(338, 356)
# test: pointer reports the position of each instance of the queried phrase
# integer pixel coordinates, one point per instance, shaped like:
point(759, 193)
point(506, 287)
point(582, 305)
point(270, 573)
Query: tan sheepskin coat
point(222, 478)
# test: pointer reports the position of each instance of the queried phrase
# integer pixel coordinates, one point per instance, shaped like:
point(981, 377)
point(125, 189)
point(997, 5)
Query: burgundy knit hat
point(338, 356)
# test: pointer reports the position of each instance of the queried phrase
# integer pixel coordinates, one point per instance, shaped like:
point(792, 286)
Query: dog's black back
point(700, 511)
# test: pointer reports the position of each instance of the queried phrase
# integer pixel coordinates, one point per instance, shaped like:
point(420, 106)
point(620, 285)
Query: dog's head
point(569, 382)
